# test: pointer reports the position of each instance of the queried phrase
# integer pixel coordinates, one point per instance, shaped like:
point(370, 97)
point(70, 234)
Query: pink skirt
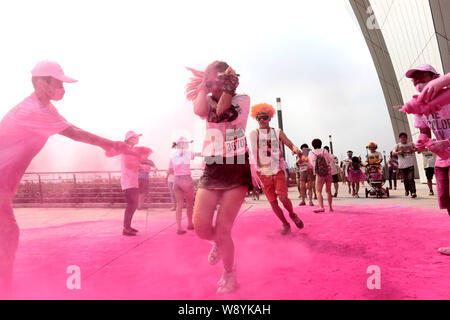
point(356, 176)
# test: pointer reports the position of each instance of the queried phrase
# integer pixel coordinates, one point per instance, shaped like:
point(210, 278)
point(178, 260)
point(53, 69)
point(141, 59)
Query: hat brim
point(66, 79)
point(410, 73)
point(133, 136)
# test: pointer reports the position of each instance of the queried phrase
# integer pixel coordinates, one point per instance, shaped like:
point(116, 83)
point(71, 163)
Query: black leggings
point(392, 175)
point(408, 179)
point(132, 199)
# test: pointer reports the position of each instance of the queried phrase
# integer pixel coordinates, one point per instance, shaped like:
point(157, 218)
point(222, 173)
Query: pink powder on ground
point(328, 259)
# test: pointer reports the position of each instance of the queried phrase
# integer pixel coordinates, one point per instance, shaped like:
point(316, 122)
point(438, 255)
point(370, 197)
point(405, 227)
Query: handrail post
point(40, 189)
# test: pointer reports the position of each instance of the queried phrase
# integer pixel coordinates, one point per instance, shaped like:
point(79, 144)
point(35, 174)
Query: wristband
point(229, 89)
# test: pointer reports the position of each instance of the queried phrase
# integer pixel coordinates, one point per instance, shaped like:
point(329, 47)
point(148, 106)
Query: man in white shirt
point(129, 181)
point(24, 130)
point(427, 81)
point(266, 149)
point(406, 155)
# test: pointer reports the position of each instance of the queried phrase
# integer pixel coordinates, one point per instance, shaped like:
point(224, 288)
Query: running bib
point(235, 142)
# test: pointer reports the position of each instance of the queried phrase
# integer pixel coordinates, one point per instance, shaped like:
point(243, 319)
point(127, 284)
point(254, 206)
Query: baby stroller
point(376, 181)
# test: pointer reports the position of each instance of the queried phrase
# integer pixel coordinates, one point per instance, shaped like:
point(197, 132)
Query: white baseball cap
point(422, 67)
point(183, 139)
point(131, 134)
point(46, 68)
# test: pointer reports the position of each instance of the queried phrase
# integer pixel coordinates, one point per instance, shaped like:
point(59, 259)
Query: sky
point(130, 57)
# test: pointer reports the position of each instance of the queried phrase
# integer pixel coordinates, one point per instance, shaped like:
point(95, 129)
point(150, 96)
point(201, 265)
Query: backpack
point(321, 167)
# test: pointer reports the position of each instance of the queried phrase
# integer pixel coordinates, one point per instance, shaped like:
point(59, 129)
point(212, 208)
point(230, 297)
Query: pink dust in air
point(328, 259)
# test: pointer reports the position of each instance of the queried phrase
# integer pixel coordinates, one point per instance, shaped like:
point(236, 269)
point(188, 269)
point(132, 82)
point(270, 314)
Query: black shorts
point(429, 172)
point(143, 186)
point(226, 174)
point(335, 178)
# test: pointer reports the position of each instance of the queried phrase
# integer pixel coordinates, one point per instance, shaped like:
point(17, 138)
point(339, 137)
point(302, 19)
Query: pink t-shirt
point(312, 156)
point(129, 171)
point(180, 162)
point(225, 136)
point(439, 123)
point(24, 130)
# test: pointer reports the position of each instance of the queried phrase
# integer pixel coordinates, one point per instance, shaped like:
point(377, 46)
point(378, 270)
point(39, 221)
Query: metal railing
point(45, 186)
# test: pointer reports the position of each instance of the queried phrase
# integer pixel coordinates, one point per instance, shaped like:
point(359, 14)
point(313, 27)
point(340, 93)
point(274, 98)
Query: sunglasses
point(262, 118)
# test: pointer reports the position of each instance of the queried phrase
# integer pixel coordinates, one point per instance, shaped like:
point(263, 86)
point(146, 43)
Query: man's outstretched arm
point(289, 143)
point(81, 135)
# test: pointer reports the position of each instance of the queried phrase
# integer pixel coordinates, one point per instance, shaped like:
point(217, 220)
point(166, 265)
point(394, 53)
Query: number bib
point(235, 142)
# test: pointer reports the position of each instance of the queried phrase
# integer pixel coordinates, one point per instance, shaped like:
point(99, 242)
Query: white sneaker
point(214, 255)
point(221, 281)
point(227, 282)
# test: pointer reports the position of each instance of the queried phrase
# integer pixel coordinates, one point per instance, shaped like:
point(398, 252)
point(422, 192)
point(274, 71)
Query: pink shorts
point(443, 186)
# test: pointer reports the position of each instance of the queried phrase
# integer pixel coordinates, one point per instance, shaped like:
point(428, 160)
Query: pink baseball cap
point(131, 134)
point(52, 69)
point(422, 67)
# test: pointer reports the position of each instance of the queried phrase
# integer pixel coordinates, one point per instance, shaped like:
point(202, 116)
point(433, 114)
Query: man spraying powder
point(266, 150)
point(24, 130)
point(427, 81)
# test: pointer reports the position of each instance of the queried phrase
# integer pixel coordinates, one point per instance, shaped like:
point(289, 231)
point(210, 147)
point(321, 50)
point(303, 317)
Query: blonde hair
point(193, 86)
point(262, 108)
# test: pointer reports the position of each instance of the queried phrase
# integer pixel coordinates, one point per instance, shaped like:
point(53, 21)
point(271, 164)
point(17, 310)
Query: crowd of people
point(233, 164)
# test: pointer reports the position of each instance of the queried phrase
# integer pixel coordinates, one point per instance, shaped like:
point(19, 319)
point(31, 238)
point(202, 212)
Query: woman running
point(129, 181)
point(227, 176)
point(183, 187)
